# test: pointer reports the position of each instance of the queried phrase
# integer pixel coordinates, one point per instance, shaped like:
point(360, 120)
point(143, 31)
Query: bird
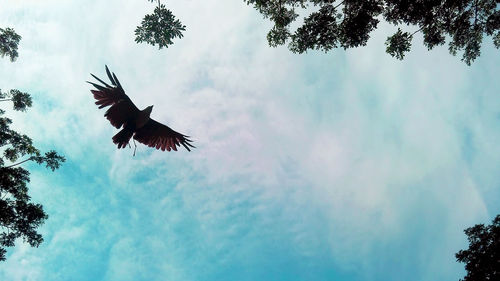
point(134, 123)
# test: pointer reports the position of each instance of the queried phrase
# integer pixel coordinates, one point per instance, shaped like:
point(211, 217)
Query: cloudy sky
point(349, 165)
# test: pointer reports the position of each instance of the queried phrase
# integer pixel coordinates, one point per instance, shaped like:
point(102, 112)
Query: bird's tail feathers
point(123, 137)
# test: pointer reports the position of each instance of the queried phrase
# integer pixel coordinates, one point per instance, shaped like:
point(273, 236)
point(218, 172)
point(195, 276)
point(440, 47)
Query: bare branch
point(19, 163)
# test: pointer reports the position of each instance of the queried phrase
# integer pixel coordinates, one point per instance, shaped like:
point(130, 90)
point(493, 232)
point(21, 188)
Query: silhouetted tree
point(482, 259)
point(19, 218)
point(9, 40)
point(160, 27)
point(348, 23)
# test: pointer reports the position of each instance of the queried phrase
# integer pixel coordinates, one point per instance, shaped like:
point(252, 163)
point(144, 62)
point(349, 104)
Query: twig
point(19, 163)
point(475, 13)
point(335, 8)
point(411, 35)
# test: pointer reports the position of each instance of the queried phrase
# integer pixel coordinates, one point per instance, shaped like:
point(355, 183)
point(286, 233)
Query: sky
point(347, 165)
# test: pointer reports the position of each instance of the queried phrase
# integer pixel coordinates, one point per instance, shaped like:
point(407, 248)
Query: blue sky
point(349, 165)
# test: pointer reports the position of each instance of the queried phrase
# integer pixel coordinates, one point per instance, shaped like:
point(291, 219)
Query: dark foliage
point(348, 23)
point(160, 28)
point(9, 41)
point(19, 218)
point(20, 100)
point(482, 259)
point(398, 44)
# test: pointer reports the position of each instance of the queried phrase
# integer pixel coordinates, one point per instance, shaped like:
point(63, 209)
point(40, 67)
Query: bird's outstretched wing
point(159, 136)
point(122, 108)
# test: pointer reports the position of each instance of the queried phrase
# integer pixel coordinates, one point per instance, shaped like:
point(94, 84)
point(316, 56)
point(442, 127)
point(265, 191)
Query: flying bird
point(134, 122)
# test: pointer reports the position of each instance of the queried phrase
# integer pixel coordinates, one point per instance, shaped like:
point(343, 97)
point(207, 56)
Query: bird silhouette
point(134, 122)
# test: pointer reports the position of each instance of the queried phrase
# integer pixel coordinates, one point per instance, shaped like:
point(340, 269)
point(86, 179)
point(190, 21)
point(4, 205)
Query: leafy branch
point(160, 27)
point(20, 100)
point(19, 218)
point(348, 24)
point(9, 41)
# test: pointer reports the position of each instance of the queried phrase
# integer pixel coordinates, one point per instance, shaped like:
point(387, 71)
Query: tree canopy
point(482, 259)
point(160, 27)
point(348, 24)
point(19, 217)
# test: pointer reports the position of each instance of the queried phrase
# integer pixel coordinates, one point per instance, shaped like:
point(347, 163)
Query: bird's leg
point(135, 146)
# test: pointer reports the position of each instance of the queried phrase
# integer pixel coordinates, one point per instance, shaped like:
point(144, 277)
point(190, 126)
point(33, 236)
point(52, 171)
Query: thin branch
point(6, 195)
point(6, 100)
point(420, 29)
point(280, 8)
point(19, 163)
point(335, 8)
point(135, 148)
point(475, 13)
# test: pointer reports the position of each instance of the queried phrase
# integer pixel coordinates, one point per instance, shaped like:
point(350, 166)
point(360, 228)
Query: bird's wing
point(122, 108)
point(159, 136)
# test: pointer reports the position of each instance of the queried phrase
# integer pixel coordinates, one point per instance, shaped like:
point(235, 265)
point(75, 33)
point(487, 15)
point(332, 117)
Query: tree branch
point(19, 163)
point(420, 29)
point(6, 100)
point(475, 13)
point(338, 5)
